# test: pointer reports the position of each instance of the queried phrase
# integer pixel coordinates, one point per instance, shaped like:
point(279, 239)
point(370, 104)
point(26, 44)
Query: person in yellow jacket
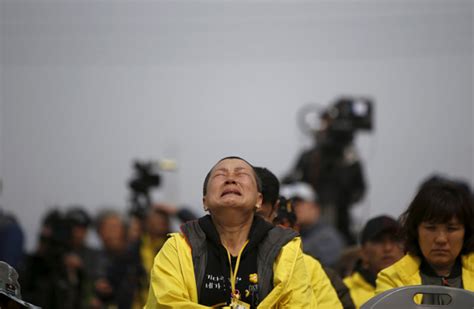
point(156, 228)
point(324, 293)
point(439, 232)
point(231, 257)
point(381, 246)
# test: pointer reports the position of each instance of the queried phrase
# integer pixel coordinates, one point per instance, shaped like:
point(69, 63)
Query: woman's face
point(441, 243)
point(232, 183)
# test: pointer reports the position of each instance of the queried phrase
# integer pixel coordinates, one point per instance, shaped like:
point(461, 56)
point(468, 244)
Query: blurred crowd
point(65, 272)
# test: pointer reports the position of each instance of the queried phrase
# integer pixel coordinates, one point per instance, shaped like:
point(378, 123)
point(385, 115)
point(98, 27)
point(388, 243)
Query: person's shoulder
point(468, 261)
point(282, 236)
point(312, 264)
point(191, 226)
point(326, 233)
point(176, 237)
point(331, 231)
point(175, 242)
point(407, 266)
point(192, 231)
point(290, 252)
point(349, 280)
point(294, 245)
point(357, 280)
point(352, 280)
point(404, 272)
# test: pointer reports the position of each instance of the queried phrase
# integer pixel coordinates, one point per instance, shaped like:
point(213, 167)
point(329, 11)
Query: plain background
point(88, 86)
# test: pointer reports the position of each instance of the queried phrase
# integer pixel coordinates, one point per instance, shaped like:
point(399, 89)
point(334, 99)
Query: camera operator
point(332, 166)
point(80, 222)
point(54, 277)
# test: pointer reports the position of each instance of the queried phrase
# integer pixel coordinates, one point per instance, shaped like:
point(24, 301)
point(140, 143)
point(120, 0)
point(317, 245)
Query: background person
point(12, 236)
point(323, 285)
point(320, 240)
point(80, 221)
point(53, 276)
point(156, 225)
point(381, 246)
point(332, 166)
point(119, 266)
point(438, 231)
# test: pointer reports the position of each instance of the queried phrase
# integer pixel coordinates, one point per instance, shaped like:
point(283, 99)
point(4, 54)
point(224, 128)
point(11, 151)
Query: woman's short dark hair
point(438, 202)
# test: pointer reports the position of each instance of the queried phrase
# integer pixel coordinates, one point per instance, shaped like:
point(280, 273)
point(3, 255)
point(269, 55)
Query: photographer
point(332, 166)
point(53, 277)
point(80, 222)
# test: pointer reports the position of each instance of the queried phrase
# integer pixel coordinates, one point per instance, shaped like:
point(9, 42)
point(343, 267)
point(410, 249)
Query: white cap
point(300, 190)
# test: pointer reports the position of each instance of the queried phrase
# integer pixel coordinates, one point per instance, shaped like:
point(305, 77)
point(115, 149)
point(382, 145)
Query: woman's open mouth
point(231, 191)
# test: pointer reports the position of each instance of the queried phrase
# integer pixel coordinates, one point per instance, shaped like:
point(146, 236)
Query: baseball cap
point(9, 285)
point(378, 225)
point(299, 190)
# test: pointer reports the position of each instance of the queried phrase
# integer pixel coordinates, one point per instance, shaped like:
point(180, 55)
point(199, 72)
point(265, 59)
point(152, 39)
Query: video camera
point(350, 114)
point(140, 185)
point(341, 120)
point(146, 177)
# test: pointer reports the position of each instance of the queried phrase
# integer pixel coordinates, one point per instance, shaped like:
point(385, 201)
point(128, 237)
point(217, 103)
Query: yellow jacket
point(407, 272)
point(360, 290)
point(324, 293)
point(173, 284)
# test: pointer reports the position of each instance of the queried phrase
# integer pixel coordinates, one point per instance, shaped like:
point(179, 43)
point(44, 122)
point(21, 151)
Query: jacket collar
point(409, 268)
point(258, 231)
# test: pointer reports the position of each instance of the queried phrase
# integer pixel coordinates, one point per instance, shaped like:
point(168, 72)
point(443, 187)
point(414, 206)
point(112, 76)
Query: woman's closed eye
point(454, 228)
point(429, 226)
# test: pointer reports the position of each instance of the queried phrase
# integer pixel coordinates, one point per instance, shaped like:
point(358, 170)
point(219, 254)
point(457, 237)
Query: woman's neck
point(444, 271)
point(437, 270)
point(233, 233)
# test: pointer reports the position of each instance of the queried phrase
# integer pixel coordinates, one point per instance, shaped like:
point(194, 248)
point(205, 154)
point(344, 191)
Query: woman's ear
point(259, 199)
point(275, 208)
point(204, 204)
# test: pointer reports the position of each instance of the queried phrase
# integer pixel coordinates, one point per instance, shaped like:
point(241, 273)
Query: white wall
point(90, 85)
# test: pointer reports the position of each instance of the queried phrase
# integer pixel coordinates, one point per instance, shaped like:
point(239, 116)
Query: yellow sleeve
point(172, 283)
point(291, 283)
point(324, 293)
